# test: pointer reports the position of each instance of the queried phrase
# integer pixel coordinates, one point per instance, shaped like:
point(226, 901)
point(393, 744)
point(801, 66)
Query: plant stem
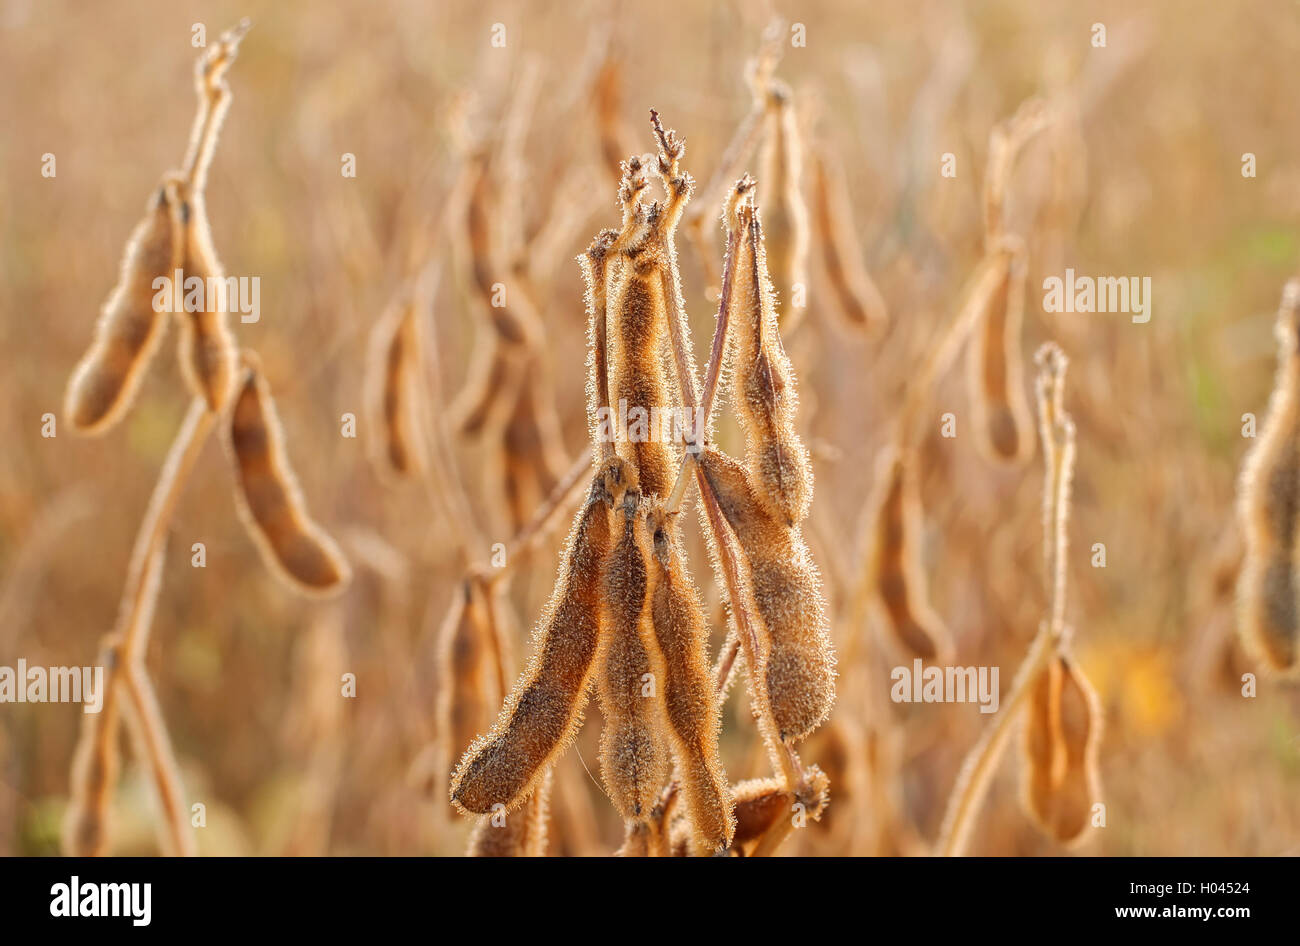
point(150, 743)
point(546, 515)
point(124, 649)
point(972, 782)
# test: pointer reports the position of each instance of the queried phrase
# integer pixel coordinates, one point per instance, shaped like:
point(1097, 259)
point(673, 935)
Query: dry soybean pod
point(857, 298)
point(206, 347)
point(1080, 735)
point(532, 453)
point(96, 762)
point(268, 497)
point(633, 761)
point(510, 312)
point(393, 380)
point(895, 584)
point(781, 173)
point(130, 326)
point(766, 811)
point(1006, 141)
point(764, 392)
point(612, 131)
point(760, 804)
point(1041, 752)
point(479, 404)
point(799, 669)
point(468, 689)
point(544, 709)
point(593, 264)
point(207, 351)
point(637, 312)
point(995, 382)
point(680, 662)
point(1268, 506)
point(515, 324)
point(521, 834)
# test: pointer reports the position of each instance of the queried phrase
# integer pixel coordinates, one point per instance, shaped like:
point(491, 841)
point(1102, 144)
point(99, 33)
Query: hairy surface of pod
point(394, 391)
point(1268, 507)
point(692, 712)
point(995, 379)
point(130, 326)
point(521, 833)
point(467, 686)
point(787, 597)
point(786, 213)
point(269, 499)
point(764, 381)
point(545, 707)
point(633, 761)
point(207, 351)
point(638, 319)
point(896, 581)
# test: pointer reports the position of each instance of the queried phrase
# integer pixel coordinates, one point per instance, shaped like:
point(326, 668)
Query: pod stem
point(125, 647)
point(1057, 431)
point(214, 98)
point(547, 514)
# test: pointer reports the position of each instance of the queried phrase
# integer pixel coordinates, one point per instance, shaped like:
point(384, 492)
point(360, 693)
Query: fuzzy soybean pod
point(531, 459)
point(545, 707)
point(1003, 423)
point(594, 263)
point(131, 324)
point(1268, 507)
point(393, 383)
point(268, 497)
point(638, 277)
point(638, 320)
point(484, 400)
point(208, 355)
point(895, 580)
point(1062, 731)
point(787, 219)
point(786, 593)
point(680, 662)
point(522, 833)
point(760, 804)
point(1080, 728)
point(1041, 745)
point(511, 313)
point(649, 838)
point(468, 689)
point(633, 760)
point(764, 389)
point(857, 299)
point(766, 808)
